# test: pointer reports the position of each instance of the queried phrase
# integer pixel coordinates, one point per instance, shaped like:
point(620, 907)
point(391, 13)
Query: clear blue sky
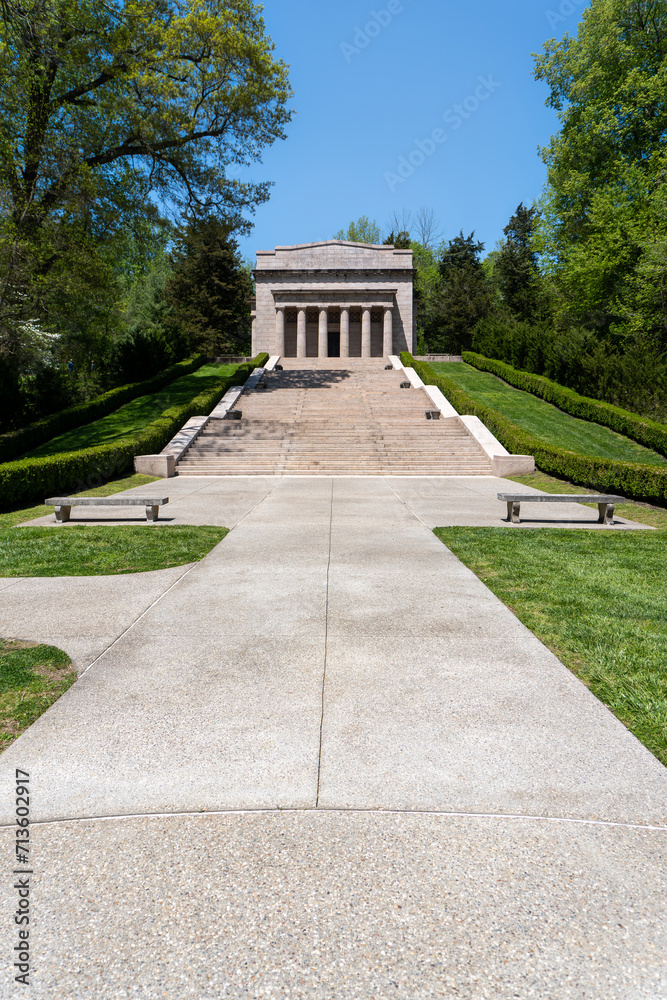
point(358, 113)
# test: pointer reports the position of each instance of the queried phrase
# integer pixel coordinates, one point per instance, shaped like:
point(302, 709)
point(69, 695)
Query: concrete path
point(329, 763)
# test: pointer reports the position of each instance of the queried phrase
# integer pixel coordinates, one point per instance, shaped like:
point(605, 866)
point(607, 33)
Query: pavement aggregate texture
point(326, 762)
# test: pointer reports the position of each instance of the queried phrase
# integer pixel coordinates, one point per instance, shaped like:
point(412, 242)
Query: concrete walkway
point(328, 763)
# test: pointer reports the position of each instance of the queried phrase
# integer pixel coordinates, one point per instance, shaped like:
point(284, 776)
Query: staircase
point(334, 417)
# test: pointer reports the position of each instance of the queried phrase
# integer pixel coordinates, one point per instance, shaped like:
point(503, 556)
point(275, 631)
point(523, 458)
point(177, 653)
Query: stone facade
point(333, 299)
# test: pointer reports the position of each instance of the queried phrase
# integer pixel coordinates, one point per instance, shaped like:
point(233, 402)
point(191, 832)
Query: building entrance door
point(334, 344)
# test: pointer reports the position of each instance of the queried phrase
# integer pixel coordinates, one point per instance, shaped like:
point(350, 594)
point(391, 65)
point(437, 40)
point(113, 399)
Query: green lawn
point(92, 550)
point(32, 677)
point(597, 599)
point(135, 415)
point(544, 420)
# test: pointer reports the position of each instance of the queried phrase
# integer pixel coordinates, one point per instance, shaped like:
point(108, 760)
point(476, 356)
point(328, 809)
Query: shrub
point(645, 431)
point(31, 479)
point(17, 442)
point(639, 482)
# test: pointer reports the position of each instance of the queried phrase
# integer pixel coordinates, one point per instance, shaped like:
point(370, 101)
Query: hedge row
point(36, 479)
point(24, 439)
point(647, 432)
point(639, 482)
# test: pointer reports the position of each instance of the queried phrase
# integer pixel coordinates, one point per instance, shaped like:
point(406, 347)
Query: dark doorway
point(334, 344)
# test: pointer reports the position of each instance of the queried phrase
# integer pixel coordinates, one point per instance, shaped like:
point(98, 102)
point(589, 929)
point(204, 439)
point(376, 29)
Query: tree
point(210, 289)
point(464, 295)
point(427, 228)
point(400, 241)
point(106, 104)
point(364, 230)
point(607, 166)
point(514, 265)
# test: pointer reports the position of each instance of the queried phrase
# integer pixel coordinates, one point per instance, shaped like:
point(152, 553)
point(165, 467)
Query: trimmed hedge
point(31, 479)
point(647, 432)
point(638, 482)
point(17, 442)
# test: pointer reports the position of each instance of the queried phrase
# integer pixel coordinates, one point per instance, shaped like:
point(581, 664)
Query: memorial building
point(333, 300)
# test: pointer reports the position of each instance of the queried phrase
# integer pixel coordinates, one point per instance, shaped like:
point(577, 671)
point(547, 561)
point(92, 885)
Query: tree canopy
point(604, 229)
point(110, 107)
point(363, 230)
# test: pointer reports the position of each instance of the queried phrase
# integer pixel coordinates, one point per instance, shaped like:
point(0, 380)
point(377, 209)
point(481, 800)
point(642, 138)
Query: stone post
point(345, 332)
point(366, 333)
point(323, 335)
point(388, 333)
point(280, 331)
point(301, 334)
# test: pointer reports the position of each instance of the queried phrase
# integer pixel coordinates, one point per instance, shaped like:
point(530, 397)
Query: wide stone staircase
point(334, 417)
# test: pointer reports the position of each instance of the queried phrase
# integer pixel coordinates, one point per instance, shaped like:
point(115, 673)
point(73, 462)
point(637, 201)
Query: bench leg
point(513, 511)
point(152, 513)
point(606, 515)
point(63, 513)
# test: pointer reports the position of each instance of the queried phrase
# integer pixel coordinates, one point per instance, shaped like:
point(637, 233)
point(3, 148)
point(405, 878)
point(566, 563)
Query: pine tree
point(209, 290)
point(515, 266)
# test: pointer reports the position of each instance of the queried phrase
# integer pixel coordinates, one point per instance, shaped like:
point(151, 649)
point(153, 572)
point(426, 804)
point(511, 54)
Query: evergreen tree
point(400, 241)
point(209, 289)
point(515, 265)
point(465, 296)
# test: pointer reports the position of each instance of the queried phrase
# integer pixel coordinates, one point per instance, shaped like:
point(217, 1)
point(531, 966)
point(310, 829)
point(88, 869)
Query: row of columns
point(323, 332)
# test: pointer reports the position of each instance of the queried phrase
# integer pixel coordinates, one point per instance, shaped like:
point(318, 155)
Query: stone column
point(323, 335)
point(366, 333)
point(301, 334)
point(280, 331)
point(345, 332)
point(388, 333)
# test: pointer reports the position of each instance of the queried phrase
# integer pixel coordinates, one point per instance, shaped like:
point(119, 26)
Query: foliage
point(552, 580)
point(646, 432)
point(515, 266)
point(209, 290)
point(109, 110)
point(399, 240)
point(364, 230)
point(544, 420)
point(463, 296)
point(604, 226)
point(640, 482)
point(17, 442)
point(96, 550)
point(32, 478)
point(634, 378)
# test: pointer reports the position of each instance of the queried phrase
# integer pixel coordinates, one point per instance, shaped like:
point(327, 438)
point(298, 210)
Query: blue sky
point(366, 99)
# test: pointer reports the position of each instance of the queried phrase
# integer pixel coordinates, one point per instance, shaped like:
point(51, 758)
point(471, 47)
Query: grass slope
point(544, 420)
point(135, 415)
point(32, 677)
point(597, 599)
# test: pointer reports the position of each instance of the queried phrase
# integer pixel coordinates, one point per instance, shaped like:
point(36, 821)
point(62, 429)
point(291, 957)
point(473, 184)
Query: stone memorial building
point(333, 299)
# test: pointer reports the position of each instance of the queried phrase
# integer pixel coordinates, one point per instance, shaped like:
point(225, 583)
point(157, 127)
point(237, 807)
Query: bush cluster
point(632, 375)
point(647, 432)
point(638, 482)
point(32, 479)
point(24, 439)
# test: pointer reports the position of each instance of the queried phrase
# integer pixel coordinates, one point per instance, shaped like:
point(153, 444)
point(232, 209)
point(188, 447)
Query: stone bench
point(64, 505)
point(605, 503)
